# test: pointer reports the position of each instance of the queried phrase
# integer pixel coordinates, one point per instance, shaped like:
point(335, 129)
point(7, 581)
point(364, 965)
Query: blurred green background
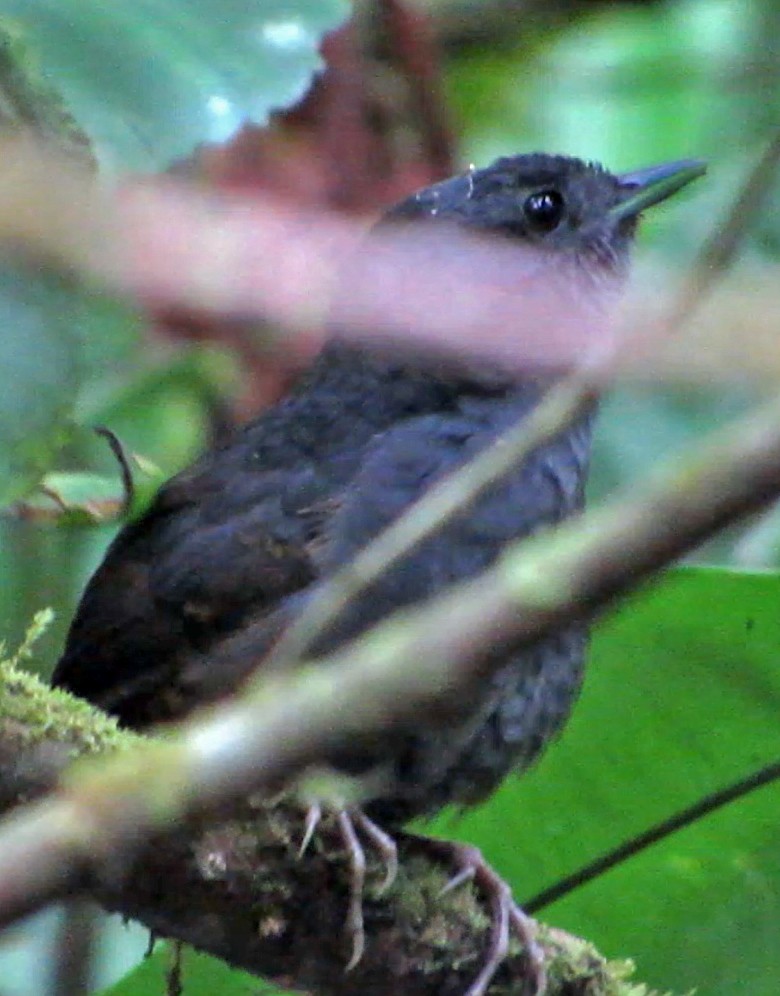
point(684, 685)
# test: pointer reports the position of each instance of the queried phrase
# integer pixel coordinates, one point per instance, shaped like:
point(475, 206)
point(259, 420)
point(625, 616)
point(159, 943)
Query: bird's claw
point(505, 915)
point(349, 822)
point(357, 861)
point(313, 817)
point(385, 846)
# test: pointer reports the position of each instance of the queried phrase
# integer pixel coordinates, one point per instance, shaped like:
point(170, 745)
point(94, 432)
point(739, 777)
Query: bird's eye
point(544, 210)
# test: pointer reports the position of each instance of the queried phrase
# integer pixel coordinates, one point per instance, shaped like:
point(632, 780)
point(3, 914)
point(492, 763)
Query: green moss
point(34, 713)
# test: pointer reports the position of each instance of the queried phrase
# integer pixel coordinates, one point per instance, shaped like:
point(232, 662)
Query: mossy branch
point(240, 890)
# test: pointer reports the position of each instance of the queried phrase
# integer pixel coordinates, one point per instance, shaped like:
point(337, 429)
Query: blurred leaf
point(201, 976)
point(682, 697)
point(629, 85)
point(29, 100)
point(39, 357)
point(112, 336)
point(640, 425)
point(148, 80)
point(77, 497)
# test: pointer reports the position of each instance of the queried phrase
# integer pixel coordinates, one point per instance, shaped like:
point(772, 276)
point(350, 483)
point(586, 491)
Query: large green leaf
point(682, 697)
point(201, 976)
point(149, 80)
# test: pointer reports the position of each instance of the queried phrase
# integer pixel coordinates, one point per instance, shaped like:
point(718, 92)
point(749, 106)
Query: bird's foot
point(351, 824)
point(506, 915)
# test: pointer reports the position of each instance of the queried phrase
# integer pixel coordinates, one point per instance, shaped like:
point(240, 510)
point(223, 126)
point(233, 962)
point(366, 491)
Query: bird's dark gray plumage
point(232, 548)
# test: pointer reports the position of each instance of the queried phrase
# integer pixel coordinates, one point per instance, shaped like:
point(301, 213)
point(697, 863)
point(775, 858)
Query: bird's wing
point(182, 576)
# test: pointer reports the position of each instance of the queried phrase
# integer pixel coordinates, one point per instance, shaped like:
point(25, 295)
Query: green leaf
point(629, 85)
point(201, 976)
point(75, 498)
point(148, 81)
point(39, 360)
point(29, 100)
point(682, 697)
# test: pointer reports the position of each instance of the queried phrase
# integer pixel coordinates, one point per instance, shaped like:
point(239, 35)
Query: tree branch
point(240, 891)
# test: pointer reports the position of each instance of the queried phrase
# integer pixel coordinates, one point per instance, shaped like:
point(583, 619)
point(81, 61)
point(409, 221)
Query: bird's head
point(516, 265)
point(561, 204)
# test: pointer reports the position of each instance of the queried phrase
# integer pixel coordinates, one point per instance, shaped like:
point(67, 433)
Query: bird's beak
point(646, 187)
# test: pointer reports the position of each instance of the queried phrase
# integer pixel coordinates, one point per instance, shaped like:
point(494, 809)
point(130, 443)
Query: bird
point(232, 549)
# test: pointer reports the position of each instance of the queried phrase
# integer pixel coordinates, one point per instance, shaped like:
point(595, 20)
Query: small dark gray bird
point(232, 549)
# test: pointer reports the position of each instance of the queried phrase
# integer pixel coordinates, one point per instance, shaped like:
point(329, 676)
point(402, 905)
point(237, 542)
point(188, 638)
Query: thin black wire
point(683, 818)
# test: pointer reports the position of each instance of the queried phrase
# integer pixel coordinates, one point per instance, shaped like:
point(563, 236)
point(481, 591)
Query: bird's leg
point(505, 913)
point(349, 822)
